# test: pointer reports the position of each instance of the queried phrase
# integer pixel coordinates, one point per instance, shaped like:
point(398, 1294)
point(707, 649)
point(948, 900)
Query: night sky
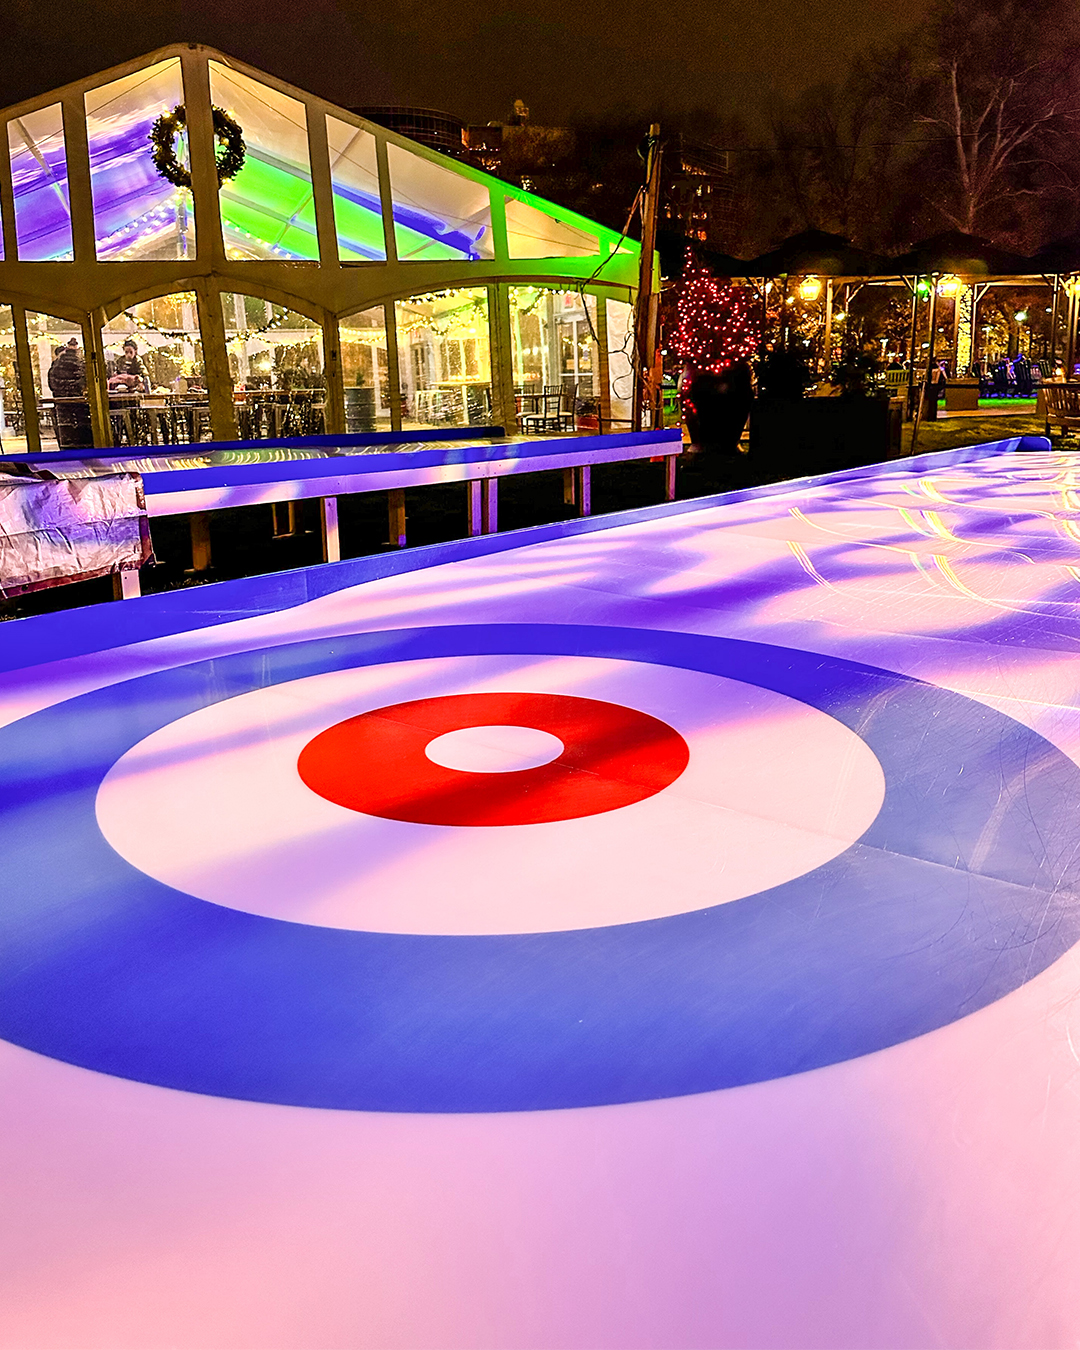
point(566, 60)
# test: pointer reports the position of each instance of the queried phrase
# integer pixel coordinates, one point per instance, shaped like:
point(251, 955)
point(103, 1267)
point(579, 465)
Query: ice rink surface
point(655, 933)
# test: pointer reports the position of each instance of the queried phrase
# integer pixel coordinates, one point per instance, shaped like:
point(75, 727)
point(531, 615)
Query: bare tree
point(834, 156)
point(996, 88)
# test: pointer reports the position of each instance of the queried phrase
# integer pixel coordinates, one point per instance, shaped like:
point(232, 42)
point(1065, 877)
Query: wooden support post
point(671, 464)
point(925, 389)
point(603, 367)
point(80, 196)
point(393, 370)
point(569, 488)
point(646, 313)
point(335, 389)
point(504, 406)
point(490, 494)
point(1053, 323)
point(322, 190)
point(27, 392)
point(913, 332)
point(7, 201)
point(216, 361)
point(826, 345)
point(203, 156)
point(396, 504)
point(583, 486)
point(97, 378)
point(331, 539)
point(475, 488)
point(200, 541)
point(386, 199)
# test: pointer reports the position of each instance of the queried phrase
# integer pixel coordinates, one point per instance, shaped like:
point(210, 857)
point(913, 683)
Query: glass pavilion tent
point(342, 277)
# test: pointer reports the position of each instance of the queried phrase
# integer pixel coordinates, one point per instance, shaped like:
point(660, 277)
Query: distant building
point(702, 197)
point(517, 149)
point(437, 130)
point(483, 145)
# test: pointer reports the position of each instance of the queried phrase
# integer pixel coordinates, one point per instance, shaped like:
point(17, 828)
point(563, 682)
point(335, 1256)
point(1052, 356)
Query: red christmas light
point(714, 327)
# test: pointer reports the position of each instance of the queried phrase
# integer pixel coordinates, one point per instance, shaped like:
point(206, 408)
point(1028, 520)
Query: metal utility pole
point(648, 299)
point(1054, 323)
point(924, 393)
point(912, 334)
point(826, 352)
point(1070, 328)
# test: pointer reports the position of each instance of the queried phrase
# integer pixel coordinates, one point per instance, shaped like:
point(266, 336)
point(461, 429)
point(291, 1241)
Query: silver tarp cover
point(59, 530)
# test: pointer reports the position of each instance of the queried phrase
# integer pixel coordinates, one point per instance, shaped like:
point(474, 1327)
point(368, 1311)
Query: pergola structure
point(959, 266)
point(340, 256)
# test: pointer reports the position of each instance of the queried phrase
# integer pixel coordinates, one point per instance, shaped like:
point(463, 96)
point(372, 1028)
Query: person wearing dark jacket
point(71, 411)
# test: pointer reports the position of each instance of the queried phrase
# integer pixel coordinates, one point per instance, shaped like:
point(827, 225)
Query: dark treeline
point(972, 122)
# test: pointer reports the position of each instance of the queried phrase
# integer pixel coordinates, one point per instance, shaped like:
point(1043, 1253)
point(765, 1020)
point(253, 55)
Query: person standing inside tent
point(71, 411)
point(128, 373)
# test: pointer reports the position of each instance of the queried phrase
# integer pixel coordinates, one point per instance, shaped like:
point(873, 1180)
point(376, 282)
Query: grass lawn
point(951, 432)
point(1020, 404)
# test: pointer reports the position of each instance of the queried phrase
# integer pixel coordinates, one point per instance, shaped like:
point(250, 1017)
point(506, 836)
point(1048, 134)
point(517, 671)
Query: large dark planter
point(799, 437)
point(359, 408)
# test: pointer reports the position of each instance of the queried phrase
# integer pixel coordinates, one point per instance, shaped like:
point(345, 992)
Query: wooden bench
point(1062, 406)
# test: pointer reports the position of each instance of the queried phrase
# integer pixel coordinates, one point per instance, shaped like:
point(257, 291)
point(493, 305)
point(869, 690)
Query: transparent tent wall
point(444, 358)
point(553, 343)
point(137, 212)
point(168, 402)
point(365, 369)
point(276, 366)
point(620, 335)
point(438, 213)
point(58, 365)
point(12, 425)
point(40, 183)
point(268, 209)
point(534, 233)
point(354, 177)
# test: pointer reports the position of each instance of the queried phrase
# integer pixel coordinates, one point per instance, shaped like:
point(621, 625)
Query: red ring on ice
point(375, 763)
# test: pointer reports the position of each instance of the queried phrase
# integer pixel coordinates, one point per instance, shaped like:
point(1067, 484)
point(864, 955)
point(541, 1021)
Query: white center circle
point(494, 749)
point(213, 804)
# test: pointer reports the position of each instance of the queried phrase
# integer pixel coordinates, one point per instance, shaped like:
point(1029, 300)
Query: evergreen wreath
point(230, 155)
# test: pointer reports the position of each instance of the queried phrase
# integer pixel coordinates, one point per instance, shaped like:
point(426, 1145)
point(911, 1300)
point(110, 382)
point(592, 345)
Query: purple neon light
point(127, 191)
point(42, 204)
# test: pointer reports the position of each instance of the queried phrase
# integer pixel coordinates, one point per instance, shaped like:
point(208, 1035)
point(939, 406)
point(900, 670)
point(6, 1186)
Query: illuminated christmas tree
point(714, 327)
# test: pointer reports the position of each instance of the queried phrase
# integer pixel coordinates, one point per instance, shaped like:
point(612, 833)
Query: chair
point(477, 403)
point(550, 417)
point(1062, 407)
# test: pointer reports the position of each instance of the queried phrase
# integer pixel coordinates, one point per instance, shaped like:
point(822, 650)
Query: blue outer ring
point(964, 888)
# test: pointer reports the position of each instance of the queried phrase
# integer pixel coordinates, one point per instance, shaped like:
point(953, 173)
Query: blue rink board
point(50, 637)
point(285, 1073)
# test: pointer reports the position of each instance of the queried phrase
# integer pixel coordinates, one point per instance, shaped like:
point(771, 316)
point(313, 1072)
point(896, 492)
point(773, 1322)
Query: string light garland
point(714, 327)
point(229, 158)
point(465, 319)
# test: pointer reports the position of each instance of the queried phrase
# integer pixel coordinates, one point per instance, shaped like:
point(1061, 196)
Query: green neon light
point(611, 238)
point(357, 225)
point(276, 208)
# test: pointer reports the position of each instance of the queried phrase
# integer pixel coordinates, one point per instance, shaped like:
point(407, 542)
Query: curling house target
point(106, 966)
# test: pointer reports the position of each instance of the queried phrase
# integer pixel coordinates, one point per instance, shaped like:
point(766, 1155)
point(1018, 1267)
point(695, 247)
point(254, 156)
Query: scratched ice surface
point(921, 1195)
